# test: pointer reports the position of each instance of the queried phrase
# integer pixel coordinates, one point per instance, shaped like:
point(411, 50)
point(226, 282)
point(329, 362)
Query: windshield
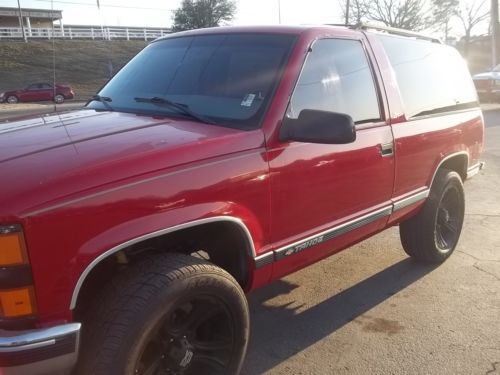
point(226, 78)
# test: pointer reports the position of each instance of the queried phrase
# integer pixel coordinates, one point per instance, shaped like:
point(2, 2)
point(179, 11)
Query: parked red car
point(213, 163)
point(37, 92)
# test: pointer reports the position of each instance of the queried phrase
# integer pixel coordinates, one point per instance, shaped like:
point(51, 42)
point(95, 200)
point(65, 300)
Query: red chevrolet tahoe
point(213, 163)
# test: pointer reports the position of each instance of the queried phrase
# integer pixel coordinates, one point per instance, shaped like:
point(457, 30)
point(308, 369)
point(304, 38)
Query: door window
point(337, 78)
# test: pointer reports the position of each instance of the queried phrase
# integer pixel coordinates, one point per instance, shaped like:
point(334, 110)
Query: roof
point(274, 29)
point(296, 30)
point(31, 12)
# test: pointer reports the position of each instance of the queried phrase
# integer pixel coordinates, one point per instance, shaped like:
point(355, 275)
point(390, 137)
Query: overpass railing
point(84, 32)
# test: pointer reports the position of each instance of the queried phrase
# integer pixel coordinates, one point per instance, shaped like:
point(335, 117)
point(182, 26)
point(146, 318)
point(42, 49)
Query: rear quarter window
point(432, 78)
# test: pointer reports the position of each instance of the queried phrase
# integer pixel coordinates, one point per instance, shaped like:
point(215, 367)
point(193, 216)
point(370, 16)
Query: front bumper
point(473, 170)
point(46, 351)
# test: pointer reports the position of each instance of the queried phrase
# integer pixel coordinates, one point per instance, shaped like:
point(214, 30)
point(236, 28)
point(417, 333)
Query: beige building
point(32, 18)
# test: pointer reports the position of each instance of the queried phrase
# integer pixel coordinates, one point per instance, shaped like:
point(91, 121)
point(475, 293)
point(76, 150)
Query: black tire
point(59, 99)
point(432, 235)
point(12, 99)
point(138, 321)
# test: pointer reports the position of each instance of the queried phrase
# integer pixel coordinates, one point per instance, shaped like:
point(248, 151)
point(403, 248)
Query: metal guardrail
point(78, 32)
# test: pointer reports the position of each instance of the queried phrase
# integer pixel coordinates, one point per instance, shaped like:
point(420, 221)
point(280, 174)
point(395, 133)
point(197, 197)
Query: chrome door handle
point(386, 149)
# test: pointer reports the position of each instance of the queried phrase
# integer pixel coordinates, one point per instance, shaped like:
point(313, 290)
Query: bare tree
point(404, 14)
point(443, 11)
point(358, 10)
point(472, 14)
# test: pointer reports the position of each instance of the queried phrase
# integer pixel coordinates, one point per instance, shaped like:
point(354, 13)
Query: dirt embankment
point(83, 64)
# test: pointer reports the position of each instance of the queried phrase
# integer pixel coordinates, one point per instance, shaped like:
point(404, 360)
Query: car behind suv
point(36, 92)
point(213, 163)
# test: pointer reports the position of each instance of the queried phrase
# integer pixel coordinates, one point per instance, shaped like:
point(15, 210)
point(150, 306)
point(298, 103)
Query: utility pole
point(21, 23)
point(347, 6)
point(279, 12)
point(494, 32)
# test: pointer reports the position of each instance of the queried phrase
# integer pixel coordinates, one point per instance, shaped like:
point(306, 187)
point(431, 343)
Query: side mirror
point(319, 127)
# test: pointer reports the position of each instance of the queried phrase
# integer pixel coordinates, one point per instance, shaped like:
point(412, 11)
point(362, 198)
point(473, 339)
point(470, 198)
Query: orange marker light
point(12, 249)
point(17, 302)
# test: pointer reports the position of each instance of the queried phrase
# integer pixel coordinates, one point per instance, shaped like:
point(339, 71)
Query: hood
point(46, 159)
point(487, 75)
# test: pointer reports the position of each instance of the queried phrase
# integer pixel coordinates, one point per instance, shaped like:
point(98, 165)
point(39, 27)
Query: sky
point(158, 13)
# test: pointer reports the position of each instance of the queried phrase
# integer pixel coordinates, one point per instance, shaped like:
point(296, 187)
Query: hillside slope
point(83, 64)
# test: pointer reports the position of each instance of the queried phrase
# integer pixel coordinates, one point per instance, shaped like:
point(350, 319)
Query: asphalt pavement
point(372, 310)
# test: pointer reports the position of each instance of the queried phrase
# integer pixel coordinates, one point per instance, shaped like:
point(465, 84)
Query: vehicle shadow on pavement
point(280, 332)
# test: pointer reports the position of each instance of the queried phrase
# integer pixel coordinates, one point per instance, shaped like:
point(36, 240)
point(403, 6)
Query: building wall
point(9, 22)
point(14, 22)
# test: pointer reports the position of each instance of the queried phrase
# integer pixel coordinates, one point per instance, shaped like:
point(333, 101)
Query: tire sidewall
point(450, 181)
point(157, 307)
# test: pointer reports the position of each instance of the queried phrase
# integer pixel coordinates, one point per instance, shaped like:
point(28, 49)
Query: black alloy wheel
point(167, 314)
point(448, 220)
point(432, 234)
point(195, 338)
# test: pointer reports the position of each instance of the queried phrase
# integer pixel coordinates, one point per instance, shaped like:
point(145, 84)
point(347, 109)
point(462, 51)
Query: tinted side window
point(336, 77)
point(432, 78)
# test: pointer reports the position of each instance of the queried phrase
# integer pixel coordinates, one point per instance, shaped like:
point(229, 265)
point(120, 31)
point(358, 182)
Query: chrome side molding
point(329, 234)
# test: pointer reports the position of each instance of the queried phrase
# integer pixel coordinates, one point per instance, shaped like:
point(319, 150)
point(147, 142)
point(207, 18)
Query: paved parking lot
point(372, 310)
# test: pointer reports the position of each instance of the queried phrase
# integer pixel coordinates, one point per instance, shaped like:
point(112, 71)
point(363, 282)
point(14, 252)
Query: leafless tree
point(358, 10)
point(404, 14)
point(472, 14)
point(443, 11)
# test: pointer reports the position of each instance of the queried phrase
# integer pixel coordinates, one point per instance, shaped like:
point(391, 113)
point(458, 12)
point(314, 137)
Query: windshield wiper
point(180, 107)
point(103, 99)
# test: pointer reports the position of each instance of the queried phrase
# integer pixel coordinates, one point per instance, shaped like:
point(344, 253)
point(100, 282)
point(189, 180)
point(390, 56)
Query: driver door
point(326, 196)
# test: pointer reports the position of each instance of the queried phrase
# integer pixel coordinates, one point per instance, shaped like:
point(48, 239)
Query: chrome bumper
point(473, 170)
point(45, 351)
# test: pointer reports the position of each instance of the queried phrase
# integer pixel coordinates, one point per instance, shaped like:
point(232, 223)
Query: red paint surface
point(83, 182)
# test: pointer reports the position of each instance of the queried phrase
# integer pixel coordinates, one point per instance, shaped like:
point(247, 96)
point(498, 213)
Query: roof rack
point(394, 30)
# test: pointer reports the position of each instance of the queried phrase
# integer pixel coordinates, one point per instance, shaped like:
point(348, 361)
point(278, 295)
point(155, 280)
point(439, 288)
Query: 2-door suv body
point(215, 162)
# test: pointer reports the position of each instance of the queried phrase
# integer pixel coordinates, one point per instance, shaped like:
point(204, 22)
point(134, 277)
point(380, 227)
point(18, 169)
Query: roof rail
point(395, 31)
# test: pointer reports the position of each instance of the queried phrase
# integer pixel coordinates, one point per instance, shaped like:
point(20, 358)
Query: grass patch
point(83, 64)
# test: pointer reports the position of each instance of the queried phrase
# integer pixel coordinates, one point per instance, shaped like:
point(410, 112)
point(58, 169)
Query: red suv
point(38, 92)
point(213, 163)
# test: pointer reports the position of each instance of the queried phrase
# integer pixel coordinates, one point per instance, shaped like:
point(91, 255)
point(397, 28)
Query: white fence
point(83, 32)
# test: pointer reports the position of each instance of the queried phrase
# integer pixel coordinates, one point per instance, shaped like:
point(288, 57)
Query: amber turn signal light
point(17, 296)
point(17, 302)
point(12, 247)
